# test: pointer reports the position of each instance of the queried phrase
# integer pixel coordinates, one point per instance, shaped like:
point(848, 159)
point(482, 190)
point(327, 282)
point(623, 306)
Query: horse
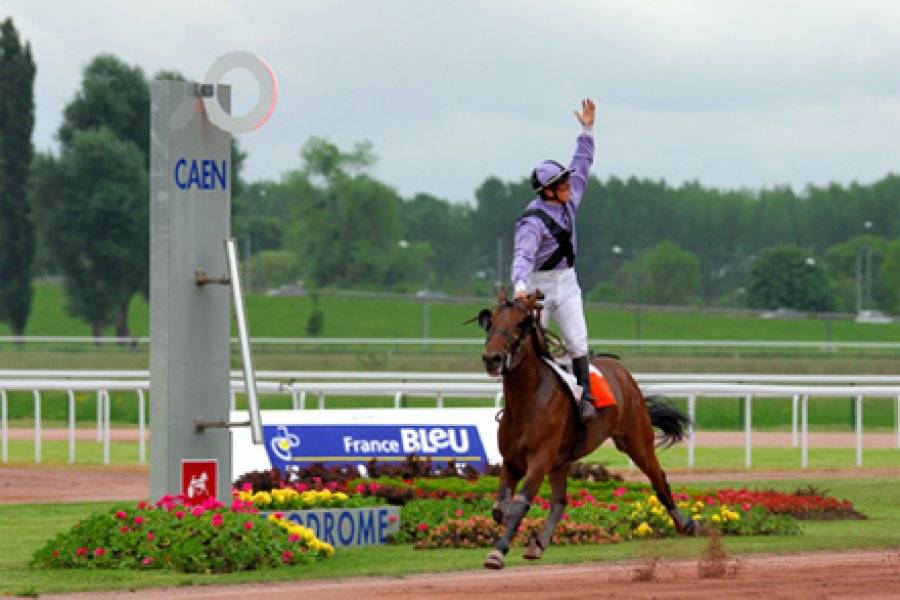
point(540, 433)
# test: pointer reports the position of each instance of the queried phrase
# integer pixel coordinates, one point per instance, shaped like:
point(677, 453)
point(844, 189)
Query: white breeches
point(563, 304)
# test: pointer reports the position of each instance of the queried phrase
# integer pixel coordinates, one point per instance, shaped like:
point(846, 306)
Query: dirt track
point(826, 575)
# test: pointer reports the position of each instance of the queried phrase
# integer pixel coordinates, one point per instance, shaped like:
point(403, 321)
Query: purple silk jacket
point(533, 242)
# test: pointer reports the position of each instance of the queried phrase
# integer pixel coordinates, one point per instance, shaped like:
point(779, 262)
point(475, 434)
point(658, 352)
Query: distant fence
point(399, 386)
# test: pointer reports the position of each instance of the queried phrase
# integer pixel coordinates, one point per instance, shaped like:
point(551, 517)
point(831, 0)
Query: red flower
point(139, 520)
point(746, 506)
point(422, 526)
point(121, 514)
point(197, 511)
point(142, 505)
point(147, 561)
point(565, 516)
point(293, 537)
point(393, 518)
point(98, 552)
point(302, 487)
point(82, 551)
point(217, 520)
point(179, 514)
point(248, 525)
point(124, 529)
point(55, 554)
point(286, 557)
point(619, 491)
point(279, 515)
point(360, 489)
point(150, 536)
point(613, 507)
point(458, 512)
point(247, 487)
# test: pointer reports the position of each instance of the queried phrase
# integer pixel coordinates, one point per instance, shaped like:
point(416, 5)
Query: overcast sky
point(732, 94)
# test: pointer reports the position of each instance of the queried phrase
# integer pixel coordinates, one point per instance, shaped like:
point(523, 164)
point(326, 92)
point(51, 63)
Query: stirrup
point(586, 411)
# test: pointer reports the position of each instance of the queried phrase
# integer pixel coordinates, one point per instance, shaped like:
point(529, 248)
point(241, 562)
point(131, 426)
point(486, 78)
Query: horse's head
point(507, 327)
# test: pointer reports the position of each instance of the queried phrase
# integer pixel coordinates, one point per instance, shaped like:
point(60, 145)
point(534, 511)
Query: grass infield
point(26, 527)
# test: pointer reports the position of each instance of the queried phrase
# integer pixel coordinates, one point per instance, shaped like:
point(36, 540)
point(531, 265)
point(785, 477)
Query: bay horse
point(540, 433)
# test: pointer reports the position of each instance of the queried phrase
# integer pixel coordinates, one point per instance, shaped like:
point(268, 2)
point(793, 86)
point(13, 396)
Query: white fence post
point(692, 431)
point(295, 401)
point(897, 423)
point(4, 425)
point(795, 400)
point(142, 451)
point(37, 426)
point(439, 400)
point(748, 430)
point(321, 400)
point(106, 402)
point(804, 431)
point(859, 430)
point(99, 415)
point(70, 395)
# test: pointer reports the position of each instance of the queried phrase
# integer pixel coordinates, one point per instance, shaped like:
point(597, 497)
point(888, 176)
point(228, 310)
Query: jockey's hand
point(587, 114)
point(521, 294)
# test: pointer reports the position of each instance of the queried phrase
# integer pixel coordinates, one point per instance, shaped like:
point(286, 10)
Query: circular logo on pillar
point(268, 92)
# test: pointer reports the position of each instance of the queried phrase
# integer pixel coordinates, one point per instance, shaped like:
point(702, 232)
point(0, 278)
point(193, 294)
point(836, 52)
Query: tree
point(17, 240)
point(787, 276)
point(889, 277)
point(670, 274)
point(95, 211)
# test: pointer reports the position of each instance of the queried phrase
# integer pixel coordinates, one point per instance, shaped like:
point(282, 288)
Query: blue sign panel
point(348, 526)
point(299, 445)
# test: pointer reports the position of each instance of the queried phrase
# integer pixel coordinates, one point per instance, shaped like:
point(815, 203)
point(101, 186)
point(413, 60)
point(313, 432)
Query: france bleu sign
point(290, 446)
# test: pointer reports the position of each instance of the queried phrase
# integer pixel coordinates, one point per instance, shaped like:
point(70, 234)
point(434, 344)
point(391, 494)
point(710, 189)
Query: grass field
point(27, 527)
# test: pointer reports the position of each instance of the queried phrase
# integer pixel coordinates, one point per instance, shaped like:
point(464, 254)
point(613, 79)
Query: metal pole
point(425, 319)
point(869, 276)
point(37, 425)
point(232, 394)
point(692, 416)
point(4, 425)
point(142, 456)
point(99, 417)
point(321, 400)
point(440, 400)
point(303, 400)
point(244, 338)
point(294, 400)
point(804, 431)
point(71, 396)
point(896, 422)
point(106, 402)
point(794, 401)
point(859, 430)
point(498, 403)
point(858, 265)
point(748, 441)
point(398, 399)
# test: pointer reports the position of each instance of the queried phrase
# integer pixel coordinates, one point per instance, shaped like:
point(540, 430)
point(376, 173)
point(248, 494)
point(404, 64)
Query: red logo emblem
point(198, 479)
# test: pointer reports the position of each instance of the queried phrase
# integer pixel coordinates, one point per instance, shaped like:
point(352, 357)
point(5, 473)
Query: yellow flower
point(340, 496)
point(684, 504)
point(652, 500)
point(262, 498)
point(245, 496)
point(715, 518)
point(697, 517)
point(658, 511)
point(671, 522)
point(643, 529)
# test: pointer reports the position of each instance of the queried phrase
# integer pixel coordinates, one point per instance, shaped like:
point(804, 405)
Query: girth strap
point(563, 239)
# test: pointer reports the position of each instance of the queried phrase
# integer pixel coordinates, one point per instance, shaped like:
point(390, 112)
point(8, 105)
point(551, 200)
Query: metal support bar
point(795, 401)
point(303, 400)
point(71, 397)
point(201, 279)
point(440, 400)
point(398, 399)
point(99, 416)
point(321, 400)
point(37, 426)
point(200, 424)
point(295, 401)
point(106, 425)
point(237, 295)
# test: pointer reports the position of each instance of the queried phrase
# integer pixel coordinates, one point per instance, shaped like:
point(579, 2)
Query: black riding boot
point(586, 410)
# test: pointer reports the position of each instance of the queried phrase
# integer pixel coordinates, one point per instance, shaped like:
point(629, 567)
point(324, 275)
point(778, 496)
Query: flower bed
point(807, 504)
point(209, 538)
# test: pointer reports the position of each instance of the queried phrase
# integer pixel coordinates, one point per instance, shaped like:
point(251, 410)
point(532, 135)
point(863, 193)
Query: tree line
point(83, 214)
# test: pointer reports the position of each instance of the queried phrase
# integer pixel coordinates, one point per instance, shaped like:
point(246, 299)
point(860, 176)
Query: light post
point(619, 252)
point(866, 250)
point(404, 244)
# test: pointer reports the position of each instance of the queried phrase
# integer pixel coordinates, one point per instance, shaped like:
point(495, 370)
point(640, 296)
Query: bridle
point(514, 343)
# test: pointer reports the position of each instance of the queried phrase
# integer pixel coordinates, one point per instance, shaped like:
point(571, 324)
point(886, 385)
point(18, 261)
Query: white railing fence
point(400, 386)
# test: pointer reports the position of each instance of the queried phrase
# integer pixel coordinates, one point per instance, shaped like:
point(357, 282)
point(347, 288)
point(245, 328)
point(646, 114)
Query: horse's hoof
point(494, 560)
point(691, 528)
point(533, 551)
point(498, 515)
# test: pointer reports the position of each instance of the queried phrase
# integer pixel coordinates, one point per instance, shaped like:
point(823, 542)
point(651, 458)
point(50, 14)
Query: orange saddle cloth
point(600, 389)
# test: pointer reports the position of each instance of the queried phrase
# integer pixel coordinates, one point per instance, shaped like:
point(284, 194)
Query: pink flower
point(302, 487)
point(565, 516)
point(710, 501)
point(360, 489)
point(82, 551)
point(124, 529)
point(293, 538)
point(98, 552)
point(197, 511)
point(179, 514)
point(217, 520)
point(147, 561)
point(150, 536)
point(393, 518)
point(286, 557)
point(142, 505)
point(422, 526)
point(279, 515)
point(317, 480)
point(619, 491)
point(248, 525)
point(613, 507)
point(746, 506)
point(247, 487)
point(582, 492)
point(332, 486)
point(121, 514)
point(459, 512)
point(373, 487)
point(138, 520)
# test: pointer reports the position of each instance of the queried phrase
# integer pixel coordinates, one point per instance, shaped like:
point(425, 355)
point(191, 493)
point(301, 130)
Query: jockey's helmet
point(548, 174)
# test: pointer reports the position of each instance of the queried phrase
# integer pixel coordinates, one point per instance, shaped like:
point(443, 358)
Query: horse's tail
point(665, 416)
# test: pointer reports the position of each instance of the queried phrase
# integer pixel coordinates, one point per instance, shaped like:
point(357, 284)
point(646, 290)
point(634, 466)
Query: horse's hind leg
point(639, 444)
point(509, 479)
point(537, 545)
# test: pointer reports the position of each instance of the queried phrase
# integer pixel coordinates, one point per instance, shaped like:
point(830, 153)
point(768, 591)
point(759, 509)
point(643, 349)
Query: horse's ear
point(484, 319)
point(501, 294)
point(533, 301)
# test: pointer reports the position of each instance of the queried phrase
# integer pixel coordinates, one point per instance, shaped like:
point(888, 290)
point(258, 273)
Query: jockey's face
point(561, 192)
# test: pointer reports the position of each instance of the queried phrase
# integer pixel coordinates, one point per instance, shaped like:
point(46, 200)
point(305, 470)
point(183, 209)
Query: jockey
point(545, 245)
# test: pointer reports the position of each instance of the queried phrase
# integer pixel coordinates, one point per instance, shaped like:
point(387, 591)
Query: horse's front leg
point(509, 479)
point(538, 544)
point(520, 504)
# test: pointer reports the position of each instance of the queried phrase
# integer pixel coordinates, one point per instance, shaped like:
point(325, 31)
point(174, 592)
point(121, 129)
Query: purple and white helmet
point(547, 174)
